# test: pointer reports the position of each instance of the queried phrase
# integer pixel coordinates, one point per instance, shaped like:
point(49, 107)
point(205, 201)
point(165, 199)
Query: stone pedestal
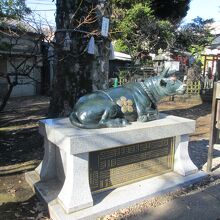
point(65, 165)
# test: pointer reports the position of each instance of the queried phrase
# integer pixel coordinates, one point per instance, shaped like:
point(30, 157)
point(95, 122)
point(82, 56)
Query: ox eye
point(163, 82)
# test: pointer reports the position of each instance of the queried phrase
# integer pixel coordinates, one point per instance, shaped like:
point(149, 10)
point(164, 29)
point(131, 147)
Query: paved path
point(201, 205)
point(197, 205)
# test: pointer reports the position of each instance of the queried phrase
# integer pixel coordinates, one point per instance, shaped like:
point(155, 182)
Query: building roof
point(121, 56)
point(211, 51)
point(216, 40)
point(215, 43)
point(16, 25)
point(215, 28)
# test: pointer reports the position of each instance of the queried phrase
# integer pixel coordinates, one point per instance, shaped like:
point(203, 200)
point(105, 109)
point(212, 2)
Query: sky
point(205, 9)
point(44, 10)
point(202, 8)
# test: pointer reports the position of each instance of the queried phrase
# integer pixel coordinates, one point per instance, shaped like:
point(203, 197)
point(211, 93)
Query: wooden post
point(213, 129)
point(204, 67)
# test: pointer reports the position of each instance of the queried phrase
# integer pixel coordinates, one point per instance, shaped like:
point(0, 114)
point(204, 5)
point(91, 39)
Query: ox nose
point(184, 88)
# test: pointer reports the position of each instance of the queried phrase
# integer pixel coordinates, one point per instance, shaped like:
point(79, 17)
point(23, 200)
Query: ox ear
point(165, 72)
point(163, 82)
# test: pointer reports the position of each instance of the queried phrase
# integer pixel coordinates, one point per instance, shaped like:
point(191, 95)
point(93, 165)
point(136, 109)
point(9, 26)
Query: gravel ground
point(142, 208)
point(21, 150)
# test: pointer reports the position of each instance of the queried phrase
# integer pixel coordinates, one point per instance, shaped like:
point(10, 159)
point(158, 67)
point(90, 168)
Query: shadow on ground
point(19, 146)
point(198, 152)
point(30, 209)
point(20, 141)
point(192, 113)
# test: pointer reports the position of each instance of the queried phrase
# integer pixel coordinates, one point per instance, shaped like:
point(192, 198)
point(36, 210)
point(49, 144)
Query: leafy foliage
point(194, 36)
point(172, 10)
point(128, 4)
point(15, 9)
point(145, 26)
point(139, 31)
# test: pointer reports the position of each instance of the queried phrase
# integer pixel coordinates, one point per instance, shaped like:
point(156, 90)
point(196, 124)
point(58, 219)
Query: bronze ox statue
point(117, 107)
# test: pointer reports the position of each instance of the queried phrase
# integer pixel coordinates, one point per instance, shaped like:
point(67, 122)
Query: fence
point(122, 81)
point(193, 88)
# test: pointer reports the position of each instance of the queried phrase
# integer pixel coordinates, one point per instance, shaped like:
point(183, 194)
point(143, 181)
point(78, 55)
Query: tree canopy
point(145, 26)
point(172, 10)
point(194, 36)
point(141, 31)
point(15, 9)
point(138, 29)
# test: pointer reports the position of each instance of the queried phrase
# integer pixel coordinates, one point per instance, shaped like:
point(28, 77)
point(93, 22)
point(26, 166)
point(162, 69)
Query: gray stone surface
point(74, 140)
point(75, 193)
point(182, 162)
point(111, 201)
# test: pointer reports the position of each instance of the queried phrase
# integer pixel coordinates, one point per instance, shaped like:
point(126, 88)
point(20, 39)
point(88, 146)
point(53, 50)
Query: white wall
point(27, 87)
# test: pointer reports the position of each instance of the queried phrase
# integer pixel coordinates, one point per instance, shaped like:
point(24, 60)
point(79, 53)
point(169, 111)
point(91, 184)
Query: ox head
point(171, 86)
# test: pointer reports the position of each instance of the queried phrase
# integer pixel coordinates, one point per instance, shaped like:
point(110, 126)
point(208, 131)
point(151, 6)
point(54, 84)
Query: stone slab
point(75, 140)
point(110, 201)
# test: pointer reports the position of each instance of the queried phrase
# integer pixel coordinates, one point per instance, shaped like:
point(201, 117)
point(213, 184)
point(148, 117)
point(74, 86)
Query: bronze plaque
point(122, 165)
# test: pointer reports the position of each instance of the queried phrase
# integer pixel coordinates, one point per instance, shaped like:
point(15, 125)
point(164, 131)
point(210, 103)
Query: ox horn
point(165, 72)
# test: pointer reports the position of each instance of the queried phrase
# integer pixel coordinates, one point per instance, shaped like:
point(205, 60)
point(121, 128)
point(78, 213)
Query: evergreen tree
point(194, 36)
point(172, 10)
point(15, 9)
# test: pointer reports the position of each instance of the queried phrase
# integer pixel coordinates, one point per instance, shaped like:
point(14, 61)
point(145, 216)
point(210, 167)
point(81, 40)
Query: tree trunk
point(77, 71)
point(7, 95)
point(6, 98)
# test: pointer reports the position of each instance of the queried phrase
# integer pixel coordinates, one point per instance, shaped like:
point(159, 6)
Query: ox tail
point(74, 120)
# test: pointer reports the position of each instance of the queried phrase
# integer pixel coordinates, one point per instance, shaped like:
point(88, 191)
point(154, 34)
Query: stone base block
point(110, 201)
point(62, 179)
